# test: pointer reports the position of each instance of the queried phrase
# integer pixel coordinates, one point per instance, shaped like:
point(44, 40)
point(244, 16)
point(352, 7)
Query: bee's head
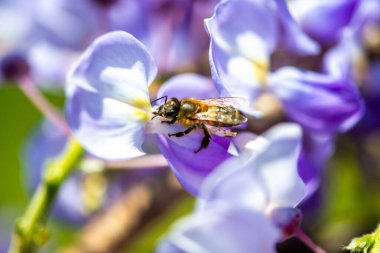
point(168, 110)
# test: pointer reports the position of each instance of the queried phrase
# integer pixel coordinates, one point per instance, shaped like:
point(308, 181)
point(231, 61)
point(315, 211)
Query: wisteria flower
point(237, 202)
point(324, 20)
point(109, 108)
point(265, 176)
point(172, 30)
point(222, 228)
point(46, 61)
point(240, 53)
point(357, 56)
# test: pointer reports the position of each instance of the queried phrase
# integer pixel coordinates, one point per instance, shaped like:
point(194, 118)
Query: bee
point(197, 113)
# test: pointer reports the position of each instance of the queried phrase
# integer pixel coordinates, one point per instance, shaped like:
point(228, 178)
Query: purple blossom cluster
point(307, 70)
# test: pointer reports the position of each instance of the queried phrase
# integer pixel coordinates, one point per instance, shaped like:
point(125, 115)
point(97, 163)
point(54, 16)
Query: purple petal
point(224, 230)
point(19, 13)
point(240, 46)
point(324, 20)
point(225, 28)
point(367, 13)
point(118, 66)
point(230, 83)
point(293, 38)
point(316, 150)
point(107, 128)
point(190, 168)
point(318, 102)
point(50, 64)
point(339, 60)
point(263, 177)
point(108, 100)
point(188, 85)
point(69, 23)
point(277, 165)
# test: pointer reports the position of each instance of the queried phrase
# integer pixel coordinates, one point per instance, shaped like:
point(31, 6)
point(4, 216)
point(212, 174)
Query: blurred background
point(144, 206)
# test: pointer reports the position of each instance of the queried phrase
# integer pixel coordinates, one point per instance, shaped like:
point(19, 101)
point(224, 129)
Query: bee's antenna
point(153, 117)
point(166, 98)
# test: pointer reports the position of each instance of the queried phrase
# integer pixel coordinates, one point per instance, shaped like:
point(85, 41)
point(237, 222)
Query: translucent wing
point(225, 101)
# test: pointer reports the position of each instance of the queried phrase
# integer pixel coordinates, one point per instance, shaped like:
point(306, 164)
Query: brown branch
point(110, 230)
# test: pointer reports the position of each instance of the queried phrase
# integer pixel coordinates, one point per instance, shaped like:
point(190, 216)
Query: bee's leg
point(187, 131)
point(170, 122)
point(206, 138)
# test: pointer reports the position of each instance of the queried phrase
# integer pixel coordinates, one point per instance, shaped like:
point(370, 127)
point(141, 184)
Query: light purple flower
point(224, 229)
point(46, 60)
point(108, 100)
point(74, 25)
point(240, 53)
point(356, 56)
point(19, 13)
point(109, 109)
point(324, 20)
point(174, 32)
point(264, 176)
point(237, 200)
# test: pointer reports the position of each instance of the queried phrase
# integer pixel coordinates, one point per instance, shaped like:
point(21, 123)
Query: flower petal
point(117, 66)
point(188, 85)
point(316, 150)
point(324, 20)
point(264, 177)
point(293, 38)
point(225, 28)
point(107, 128)
point(277, 165)
point(222, 229)
point(192, 168)
point(318, 102)
point(240, 47)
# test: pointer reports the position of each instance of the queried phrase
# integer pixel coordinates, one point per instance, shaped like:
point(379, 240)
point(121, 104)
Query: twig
point(110, 230)
point(40, 102)
point(306, 239)
point(30, 232)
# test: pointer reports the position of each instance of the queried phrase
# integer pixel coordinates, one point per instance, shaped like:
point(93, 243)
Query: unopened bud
point(14, 66)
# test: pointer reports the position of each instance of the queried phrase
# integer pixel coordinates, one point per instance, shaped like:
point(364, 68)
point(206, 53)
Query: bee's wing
point(217, 115)
point(225, 101)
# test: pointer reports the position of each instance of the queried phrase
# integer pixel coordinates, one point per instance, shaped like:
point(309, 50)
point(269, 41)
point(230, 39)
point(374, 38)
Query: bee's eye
point(171, 112)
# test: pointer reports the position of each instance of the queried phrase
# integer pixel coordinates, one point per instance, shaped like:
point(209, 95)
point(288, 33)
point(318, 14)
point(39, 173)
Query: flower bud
point(14, 66)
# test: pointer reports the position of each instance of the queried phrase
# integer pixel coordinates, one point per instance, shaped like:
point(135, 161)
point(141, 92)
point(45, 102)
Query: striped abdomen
point(221, 116)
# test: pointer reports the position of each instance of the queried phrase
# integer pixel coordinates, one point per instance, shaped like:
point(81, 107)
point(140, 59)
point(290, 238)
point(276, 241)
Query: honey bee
point(197, 113)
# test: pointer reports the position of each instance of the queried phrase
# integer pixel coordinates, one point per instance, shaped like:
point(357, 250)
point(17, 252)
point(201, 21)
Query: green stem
point(376, 244)
point(30, 232)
